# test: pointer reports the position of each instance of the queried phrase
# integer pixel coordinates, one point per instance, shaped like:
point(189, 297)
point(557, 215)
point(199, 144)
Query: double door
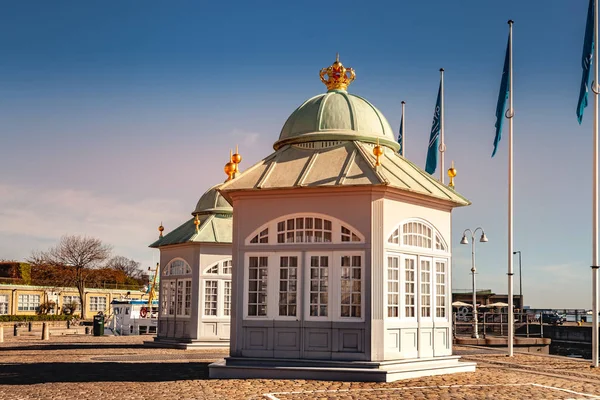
point(417, 302)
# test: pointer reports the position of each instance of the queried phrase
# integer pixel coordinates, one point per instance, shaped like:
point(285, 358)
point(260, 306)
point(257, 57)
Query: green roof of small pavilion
point(215, 223)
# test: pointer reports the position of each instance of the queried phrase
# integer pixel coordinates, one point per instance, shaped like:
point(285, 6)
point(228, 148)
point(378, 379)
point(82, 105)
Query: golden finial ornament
point(236, 158)
point(161, 228)
point(452, 174)
point(338, 76)
point(377, 152)
point(197, 223)
point(230, 167)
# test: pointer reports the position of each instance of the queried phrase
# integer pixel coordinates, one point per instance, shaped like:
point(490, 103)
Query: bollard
point(87, 330)
point(45, 332)
point(16, 330)
point(30, 326)
point(1, 333)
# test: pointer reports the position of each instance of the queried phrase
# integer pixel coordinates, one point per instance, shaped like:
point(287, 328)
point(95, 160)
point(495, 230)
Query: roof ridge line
point(370, 162)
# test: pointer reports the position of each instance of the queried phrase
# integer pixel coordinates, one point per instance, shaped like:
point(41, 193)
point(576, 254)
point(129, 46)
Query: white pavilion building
point(341, 255)
point(195, 281)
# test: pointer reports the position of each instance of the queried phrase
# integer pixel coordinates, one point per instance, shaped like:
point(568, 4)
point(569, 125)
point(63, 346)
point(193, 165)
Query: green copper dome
point(337, 115)
point(212, 202)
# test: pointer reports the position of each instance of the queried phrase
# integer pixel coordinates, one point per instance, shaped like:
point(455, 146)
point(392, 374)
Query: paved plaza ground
point(86, 367)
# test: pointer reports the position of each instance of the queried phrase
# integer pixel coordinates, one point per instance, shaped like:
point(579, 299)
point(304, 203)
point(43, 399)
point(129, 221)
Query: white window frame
point(66, 299)
point(330, 285)
point(95, 303)
point(447, 297)
point(219, 266)
point(4, 304)
point(415, 282)
point(431, 294)
point(303, 285)
point(269, 290)
point(336, 231)
point(32, 300)
point(338, 279)
point(221, 277)
point(277, 266)
point(167, 271)
point(390, 306)
point(395, 238)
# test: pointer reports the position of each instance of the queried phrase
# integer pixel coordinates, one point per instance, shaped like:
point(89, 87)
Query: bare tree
point(129, 267)
point(81, 253)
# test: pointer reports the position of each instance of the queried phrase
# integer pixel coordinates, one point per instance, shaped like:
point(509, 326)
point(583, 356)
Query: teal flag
point(586, 62)
point(434, 137)
point(502, 97)
point(401, 150)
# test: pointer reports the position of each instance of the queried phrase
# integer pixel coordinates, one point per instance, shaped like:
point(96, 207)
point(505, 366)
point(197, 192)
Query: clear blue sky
point(115, 116)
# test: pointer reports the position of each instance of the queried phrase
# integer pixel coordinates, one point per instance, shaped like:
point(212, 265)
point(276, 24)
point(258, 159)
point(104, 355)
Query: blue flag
point(502, 97)
point(401, 150)
point(586, 62)
point(434, 137)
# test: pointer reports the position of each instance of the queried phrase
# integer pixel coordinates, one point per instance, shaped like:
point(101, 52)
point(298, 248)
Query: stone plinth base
point(186, 344)
point(359, 371)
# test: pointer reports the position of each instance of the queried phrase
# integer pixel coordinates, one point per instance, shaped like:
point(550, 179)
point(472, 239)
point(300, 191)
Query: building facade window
point(257, 286)
point(210, 297)
point(351, 286)
point(176, 297)
point(440, 289)
point(227, 267)
point(393, 287)
point(227, 298)
point(97, 303)
point(319, 286)
point(288, 285)
point(425, 288)
point(217, 289)
point(72, 300)
point(3, 304)
point(417, 233)
point(409, 288)
point(328, 285)
point(261, 237)
point(178, 267)
point(28, 302)
point(304, 228)
point(349, 236)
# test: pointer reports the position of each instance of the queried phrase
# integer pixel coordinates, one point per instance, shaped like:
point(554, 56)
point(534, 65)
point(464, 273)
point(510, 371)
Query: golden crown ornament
point(338, 76)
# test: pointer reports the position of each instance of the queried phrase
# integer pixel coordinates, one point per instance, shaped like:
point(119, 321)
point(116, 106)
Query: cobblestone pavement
point(85, 367)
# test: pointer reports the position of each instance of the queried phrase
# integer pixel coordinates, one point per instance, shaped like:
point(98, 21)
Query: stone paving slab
point(85, 367)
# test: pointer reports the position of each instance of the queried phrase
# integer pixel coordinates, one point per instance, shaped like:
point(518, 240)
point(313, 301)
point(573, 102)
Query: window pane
point(257, 286)
point(351, 286)
point(287, 285)
point(319, 285)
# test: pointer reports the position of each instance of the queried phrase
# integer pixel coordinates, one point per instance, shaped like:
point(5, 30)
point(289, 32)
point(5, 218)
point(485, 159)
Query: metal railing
point(496, 324)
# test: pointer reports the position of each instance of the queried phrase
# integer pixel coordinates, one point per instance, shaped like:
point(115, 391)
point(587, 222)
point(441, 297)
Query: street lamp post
point(464, 240)
point(520, 281)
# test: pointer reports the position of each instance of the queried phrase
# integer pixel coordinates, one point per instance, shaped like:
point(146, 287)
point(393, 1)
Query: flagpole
point(403, 119)
point(595, 200)
point(442, 144)
point(511, 114)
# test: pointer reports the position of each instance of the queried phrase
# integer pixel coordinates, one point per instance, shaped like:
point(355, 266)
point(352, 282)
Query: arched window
point(305, 228)
point(178, 267)
point(418, 233)
point(220, 268)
